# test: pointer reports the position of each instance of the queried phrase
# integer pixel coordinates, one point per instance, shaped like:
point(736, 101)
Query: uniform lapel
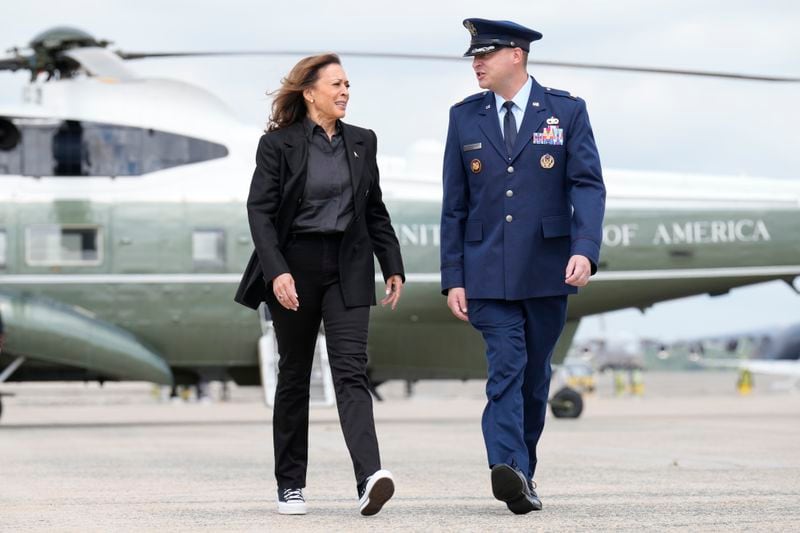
point(354, 147)
point(490, 124)
point(532, 120)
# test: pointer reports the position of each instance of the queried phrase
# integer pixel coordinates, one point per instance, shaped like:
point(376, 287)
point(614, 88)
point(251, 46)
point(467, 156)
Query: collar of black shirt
point(312, 127)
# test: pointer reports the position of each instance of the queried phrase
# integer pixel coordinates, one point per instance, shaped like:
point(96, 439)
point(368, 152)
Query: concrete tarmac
point(689, 455)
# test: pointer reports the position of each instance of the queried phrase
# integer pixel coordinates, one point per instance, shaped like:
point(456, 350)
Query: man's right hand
point(285, 292)
point(457, 302)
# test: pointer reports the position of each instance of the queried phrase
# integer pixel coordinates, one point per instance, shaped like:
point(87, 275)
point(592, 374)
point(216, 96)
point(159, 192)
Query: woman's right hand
point(285, 292)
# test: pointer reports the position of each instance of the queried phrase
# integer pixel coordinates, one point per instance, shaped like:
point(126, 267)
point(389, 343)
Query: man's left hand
point(578, 271)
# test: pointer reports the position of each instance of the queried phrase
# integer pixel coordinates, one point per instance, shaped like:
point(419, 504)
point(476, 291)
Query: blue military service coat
point(510, 224)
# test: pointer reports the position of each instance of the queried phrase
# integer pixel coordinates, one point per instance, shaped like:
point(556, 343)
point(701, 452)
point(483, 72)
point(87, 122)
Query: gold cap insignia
point(471, 27)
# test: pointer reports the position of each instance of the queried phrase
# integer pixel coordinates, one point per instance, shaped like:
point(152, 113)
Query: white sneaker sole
point(291, 508)
point(379, 490)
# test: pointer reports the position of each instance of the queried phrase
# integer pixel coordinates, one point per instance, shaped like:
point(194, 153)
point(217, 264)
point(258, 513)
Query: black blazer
point(277, 190)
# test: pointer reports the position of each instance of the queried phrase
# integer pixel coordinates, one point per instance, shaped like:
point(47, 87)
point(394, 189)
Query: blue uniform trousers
point(520, 336)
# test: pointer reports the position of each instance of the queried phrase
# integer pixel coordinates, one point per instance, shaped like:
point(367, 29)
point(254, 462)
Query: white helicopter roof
point(180, 108)
point(160, 104)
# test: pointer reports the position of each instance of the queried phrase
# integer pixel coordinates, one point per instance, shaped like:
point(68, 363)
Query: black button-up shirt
point(327, 204)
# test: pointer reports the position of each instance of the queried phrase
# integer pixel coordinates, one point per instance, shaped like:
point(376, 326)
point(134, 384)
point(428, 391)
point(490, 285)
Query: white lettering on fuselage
point(711, 232)
point(417, 234)
point(615, 235)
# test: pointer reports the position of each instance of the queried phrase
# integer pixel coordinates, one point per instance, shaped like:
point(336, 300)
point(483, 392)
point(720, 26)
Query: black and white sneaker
point(377, 491)
point(291, 501)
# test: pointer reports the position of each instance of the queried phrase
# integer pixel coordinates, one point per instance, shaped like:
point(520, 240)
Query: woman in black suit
point(316, 216)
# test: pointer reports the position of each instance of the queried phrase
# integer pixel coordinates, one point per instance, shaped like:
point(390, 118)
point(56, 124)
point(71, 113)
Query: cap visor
point(480, 49)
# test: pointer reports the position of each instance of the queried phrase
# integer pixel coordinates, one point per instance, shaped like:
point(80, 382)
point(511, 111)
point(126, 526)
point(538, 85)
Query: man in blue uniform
point(521, 229)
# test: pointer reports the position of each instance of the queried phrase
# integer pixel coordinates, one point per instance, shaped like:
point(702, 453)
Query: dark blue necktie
point(509, 128)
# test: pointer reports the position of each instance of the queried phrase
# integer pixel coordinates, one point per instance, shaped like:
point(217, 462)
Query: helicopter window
point(123, 151)
point(53, 245)
point(208, 247)
point(79, 148)
point(3, 244)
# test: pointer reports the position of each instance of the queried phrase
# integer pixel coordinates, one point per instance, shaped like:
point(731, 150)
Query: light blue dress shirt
point(520, 101)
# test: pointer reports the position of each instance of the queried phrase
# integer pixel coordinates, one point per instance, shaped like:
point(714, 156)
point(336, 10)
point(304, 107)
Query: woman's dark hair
point(289, 106)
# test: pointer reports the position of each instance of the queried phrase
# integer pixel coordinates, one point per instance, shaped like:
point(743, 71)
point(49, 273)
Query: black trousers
point(313, 262)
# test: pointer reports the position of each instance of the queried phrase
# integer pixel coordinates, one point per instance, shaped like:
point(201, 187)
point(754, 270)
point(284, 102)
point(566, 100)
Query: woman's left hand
point(394, 287)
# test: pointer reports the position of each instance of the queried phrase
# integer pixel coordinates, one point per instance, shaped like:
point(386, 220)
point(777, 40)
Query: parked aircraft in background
point(770, 351)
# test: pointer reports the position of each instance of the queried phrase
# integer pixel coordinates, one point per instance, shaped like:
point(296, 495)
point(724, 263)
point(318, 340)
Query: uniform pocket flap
point(556, 226)
point(473, 231)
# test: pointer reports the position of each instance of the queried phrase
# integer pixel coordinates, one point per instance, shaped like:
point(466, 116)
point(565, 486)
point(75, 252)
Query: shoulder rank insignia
point(471, 98)
point(559, 92)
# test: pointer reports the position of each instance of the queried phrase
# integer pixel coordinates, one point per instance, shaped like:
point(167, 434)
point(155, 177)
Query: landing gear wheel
point(566, 403)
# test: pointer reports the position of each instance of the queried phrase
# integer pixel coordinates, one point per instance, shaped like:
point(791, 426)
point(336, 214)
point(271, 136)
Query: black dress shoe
point(537, 503)
point(511, 487)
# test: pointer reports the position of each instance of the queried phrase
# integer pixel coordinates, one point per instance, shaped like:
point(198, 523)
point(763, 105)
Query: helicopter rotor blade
point(680, 72)
point(13, 63)
point(435, 57)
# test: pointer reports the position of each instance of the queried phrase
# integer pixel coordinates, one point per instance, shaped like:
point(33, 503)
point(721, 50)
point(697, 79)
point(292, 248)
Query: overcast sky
point(640, 121)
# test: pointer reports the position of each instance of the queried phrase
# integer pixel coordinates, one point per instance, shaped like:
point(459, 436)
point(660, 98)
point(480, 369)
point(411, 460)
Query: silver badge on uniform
point(473, 146)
